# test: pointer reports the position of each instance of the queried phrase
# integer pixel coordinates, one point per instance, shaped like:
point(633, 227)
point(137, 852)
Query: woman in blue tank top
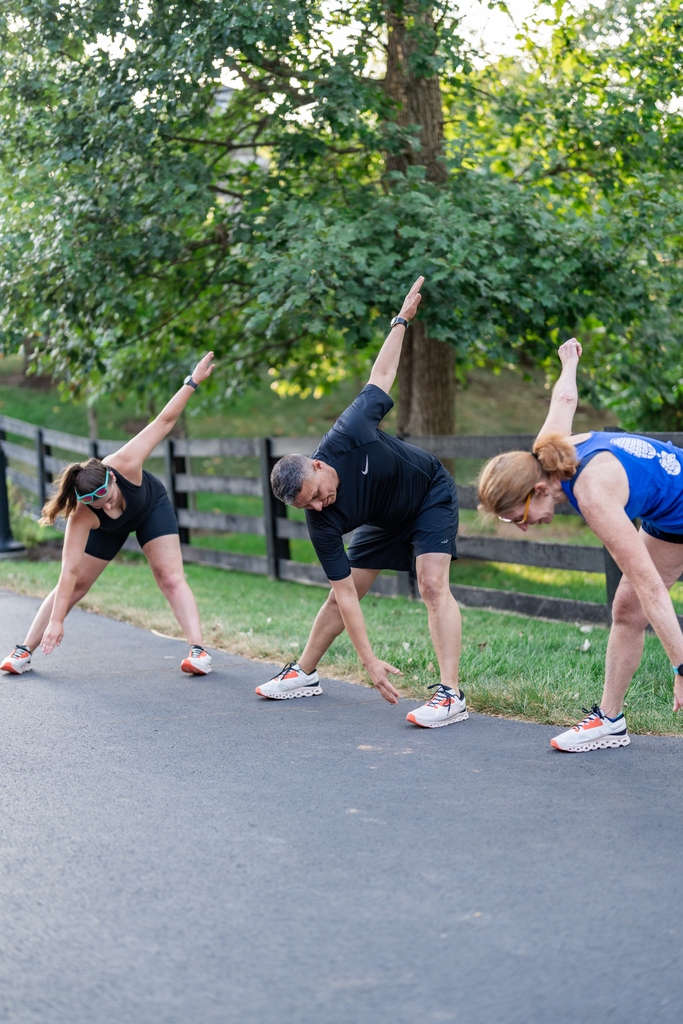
point(610, 479)
point(103, 502)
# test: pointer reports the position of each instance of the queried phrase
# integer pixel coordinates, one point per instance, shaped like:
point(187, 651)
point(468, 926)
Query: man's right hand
point(379, 674)
point(412, 300)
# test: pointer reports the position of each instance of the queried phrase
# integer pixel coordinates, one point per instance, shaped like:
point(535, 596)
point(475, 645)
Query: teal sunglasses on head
point(99, 492)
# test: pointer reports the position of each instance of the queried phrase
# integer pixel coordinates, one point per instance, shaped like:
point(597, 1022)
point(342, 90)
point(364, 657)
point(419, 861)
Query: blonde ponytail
point(507, 480)
point(556, 454)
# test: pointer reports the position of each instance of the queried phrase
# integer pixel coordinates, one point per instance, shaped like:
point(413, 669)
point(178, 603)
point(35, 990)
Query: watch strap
point(192, 383)
point(399, 320)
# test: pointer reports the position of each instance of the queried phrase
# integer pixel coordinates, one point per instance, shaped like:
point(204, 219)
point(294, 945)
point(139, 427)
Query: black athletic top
point(140, 499)
point(382, 481)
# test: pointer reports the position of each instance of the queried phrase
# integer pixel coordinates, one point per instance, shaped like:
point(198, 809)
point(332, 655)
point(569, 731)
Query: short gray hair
point(288, 475)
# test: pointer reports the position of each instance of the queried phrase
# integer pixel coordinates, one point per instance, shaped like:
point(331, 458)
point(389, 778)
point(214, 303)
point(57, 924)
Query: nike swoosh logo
point(365, 471)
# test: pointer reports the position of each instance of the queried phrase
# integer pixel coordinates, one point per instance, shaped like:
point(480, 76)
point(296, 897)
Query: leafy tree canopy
point(149, 211)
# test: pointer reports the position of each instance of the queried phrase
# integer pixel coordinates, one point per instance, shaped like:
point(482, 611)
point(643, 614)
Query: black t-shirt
point(382, 481)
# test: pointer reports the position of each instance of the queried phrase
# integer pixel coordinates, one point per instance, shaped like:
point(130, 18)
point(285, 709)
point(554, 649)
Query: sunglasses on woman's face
point(522, 521)
point(99, 492)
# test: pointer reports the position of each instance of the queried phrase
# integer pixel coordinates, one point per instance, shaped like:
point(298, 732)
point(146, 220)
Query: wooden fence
point(34, 455)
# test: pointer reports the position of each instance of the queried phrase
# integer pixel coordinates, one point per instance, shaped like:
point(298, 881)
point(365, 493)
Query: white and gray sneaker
point(198, 661)
point(594, 732)
point(18, 661)
point(292, 681)
point(445, 707)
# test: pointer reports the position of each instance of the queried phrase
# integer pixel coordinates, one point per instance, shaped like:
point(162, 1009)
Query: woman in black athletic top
point(103, 502)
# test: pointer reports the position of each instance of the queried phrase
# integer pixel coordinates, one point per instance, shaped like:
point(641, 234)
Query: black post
point(42, 479)
point(176, 464)
point(277, 548)
point(7, 542)
point(406, 584)
point(612, 578)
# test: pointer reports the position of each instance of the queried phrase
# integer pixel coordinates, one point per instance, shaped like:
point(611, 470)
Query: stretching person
point(403, 506)
point(610, 479)
point(103, 502)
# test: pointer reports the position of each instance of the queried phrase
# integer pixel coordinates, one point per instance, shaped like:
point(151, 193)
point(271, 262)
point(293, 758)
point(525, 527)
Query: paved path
point(177, 851)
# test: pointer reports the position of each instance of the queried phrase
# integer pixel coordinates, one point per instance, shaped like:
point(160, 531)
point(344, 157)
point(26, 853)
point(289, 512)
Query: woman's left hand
point(678, 693)
point(53, 636)
point(203, 369)
point(569, 351)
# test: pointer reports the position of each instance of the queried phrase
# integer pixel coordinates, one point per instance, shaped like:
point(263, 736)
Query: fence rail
point(35, 455)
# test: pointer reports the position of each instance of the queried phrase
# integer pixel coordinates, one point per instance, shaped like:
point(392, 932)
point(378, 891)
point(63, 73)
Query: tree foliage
point(147, 212)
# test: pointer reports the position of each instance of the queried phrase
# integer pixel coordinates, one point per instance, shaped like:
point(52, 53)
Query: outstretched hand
point(379, 674)
point(412, 300)
point(678, 693)
point(569, 351)
point(203, 369)
point(52, 637)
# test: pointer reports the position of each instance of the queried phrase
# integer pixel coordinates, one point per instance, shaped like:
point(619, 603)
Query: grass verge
point(511, 666)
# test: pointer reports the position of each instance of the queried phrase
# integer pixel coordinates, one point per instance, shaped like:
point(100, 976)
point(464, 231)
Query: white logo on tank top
point(644, 450)
point(365, 471)
point(669, 463)
point(635, 446)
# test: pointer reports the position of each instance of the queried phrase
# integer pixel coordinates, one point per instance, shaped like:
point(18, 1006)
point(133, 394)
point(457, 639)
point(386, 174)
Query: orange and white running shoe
point(198, 661)
point(445, 708)
point(292, 681)
point(18, 661)
point(594, 732)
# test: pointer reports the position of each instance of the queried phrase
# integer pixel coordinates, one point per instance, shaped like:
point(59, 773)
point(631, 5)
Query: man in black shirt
point(402, 504)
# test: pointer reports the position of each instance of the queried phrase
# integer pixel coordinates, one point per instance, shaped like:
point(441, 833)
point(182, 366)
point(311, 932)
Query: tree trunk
point(426, 400)
point(426, 384)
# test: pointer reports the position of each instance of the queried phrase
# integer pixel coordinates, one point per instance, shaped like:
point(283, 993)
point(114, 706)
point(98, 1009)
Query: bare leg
point(90, 569)
point(445, 626)
point(329, 624)
point(166, 562)
point(627, 635)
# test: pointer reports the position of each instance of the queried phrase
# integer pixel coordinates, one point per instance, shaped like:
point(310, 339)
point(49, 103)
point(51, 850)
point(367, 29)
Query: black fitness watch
point(193, 383)
point(399, 320)
point(678, 670)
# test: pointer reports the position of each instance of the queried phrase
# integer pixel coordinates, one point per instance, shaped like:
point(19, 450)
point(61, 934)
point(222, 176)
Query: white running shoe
point(595, 732)
point(198, 661)
point(18, 661)
point(292, 681)
point(445, 707)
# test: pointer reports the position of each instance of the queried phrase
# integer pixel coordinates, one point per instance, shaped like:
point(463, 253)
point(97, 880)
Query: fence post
point(277, 548)
point(176, 464)
point(94, 449)
point(405, 584)
point(612, 577)
point(7, 542)
point(40, 468)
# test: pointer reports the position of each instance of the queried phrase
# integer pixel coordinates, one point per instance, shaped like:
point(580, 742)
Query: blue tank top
point(655, 476)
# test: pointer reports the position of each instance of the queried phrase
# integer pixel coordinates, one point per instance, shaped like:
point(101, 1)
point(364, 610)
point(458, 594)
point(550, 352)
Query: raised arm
point(135, 451)
point(565, 397)
point(386, 364)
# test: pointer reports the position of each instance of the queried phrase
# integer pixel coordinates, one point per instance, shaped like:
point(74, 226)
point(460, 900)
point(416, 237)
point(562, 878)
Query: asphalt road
point(178, 851)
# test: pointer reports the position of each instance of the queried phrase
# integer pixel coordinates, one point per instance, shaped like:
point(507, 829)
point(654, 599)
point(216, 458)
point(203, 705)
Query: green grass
point(511, 665)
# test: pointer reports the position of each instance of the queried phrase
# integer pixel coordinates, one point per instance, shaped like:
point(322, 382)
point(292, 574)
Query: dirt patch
point(46, 551)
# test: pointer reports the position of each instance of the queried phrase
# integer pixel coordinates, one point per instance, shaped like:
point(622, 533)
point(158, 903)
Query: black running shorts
point(159, 521)
point(432, 531)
